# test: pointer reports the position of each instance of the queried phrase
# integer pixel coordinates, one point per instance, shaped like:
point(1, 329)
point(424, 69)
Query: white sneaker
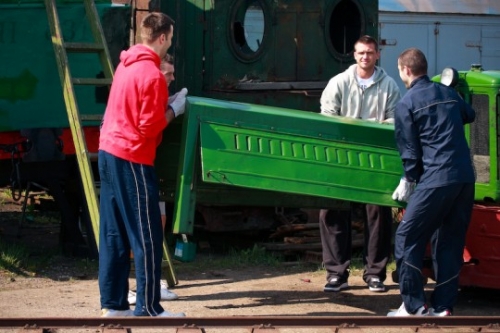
point(401, 312)
point(444, 313)
point(116, 313)
point(131, 297)
point(166, 295)
point(171, 314)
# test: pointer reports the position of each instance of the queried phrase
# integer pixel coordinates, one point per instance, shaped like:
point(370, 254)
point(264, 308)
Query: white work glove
point(172, 98)
point(404, 190)
point(178, 102)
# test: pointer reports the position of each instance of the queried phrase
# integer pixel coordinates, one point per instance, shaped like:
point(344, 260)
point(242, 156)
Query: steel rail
point(479, 323)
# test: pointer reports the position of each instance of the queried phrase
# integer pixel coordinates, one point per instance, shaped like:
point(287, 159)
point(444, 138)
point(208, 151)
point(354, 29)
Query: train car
point(36, 148)
point(262, 52)
point(467, 32)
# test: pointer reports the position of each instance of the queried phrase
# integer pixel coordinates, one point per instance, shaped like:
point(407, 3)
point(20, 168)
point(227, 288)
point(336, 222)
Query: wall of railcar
point(30, 90)
point(279, 53)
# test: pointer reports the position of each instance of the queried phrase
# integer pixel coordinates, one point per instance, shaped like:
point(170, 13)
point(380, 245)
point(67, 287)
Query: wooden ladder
point(83, 156)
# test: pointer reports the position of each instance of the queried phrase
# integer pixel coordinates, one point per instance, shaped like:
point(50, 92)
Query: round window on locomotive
point(344, 26)
point(247, 29)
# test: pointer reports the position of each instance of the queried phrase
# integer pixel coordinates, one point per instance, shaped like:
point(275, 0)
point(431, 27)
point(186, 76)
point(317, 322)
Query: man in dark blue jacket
point(439, 177)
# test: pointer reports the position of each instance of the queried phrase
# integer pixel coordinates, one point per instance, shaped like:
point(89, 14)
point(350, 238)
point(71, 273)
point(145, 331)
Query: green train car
point(481, 89)
point(280, 60)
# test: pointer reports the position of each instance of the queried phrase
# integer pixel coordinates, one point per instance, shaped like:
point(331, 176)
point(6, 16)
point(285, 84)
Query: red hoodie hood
point(135, 113)
point(139, 53)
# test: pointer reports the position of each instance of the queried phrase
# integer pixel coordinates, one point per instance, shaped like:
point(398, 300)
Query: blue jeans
point(129, 220)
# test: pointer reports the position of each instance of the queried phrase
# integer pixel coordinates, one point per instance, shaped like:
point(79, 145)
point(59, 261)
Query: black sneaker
point(336, 284)
point(374, 284)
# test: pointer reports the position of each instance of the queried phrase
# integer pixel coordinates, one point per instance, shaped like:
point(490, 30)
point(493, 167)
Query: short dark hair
point(415, 60)
point(155, 24)
point(366, 39)
point(168, 58)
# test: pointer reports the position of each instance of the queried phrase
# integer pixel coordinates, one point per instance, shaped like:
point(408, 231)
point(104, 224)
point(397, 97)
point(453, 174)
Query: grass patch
point(255, 256)
point(258, 257)
point(14, 258)
point(5, 196)
point(19, 259)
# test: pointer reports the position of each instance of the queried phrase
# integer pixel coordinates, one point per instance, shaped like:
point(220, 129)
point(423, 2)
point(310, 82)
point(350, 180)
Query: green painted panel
point(30, 89)
point(289, 121)
point(481, 90)
point(312, 55)
point(167, 164)
point(481, 78)
point(280, 157)
point(285, 47)
point(289, 151)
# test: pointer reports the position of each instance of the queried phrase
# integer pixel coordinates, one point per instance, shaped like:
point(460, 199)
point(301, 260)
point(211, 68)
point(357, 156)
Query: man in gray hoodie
point(363, 91)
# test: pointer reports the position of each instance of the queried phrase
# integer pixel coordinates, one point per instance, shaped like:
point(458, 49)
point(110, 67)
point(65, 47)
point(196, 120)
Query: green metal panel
point(284, 47)
point(481, 90)
point(486, 79)
point(30, 89)
point(289, 151)
point(473, 85)
point(299, 153)
point(298, 164)
point(312, 55)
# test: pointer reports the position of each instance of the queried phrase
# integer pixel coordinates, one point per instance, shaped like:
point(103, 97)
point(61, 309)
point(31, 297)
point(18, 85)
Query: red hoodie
point(135, 113)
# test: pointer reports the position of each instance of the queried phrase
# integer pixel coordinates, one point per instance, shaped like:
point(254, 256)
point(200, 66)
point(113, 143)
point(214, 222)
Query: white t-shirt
point(364, 83)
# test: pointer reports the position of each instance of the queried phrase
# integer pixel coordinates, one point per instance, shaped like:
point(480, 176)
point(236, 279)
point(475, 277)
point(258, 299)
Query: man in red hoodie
point(137, 112)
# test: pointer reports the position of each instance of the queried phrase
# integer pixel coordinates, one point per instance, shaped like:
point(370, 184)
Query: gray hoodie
point(343, 96)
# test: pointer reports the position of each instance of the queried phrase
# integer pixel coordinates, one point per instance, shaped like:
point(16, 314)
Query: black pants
point(336, 239)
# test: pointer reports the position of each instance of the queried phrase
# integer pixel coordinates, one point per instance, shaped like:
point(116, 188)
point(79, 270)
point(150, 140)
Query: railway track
point(255, 324)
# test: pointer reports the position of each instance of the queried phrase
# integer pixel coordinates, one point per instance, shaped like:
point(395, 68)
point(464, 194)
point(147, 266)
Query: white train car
point(454, 33)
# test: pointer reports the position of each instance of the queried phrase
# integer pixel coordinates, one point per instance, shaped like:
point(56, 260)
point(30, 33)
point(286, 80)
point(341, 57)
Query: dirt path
point(67, 287)
point(65, 292)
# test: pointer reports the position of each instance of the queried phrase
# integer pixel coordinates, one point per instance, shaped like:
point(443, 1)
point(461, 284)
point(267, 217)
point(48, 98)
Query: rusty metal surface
point(264, 323)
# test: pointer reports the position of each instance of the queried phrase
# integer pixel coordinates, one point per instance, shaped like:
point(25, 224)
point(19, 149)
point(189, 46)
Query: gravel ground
point(67, 287)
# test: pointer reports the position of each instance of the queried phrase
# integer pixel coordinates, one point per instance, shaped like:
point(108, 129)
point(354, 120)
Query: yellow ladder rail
point(77, 133)
point(84, 158)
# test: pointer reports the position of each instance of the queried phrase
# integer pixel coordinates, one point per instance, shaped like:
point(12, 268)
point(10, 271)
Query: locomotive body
point(261, 52)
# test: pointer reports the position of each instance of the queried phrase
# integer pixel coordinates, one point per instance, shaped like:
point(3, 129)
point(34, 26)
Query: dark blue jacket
point(429, 129)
